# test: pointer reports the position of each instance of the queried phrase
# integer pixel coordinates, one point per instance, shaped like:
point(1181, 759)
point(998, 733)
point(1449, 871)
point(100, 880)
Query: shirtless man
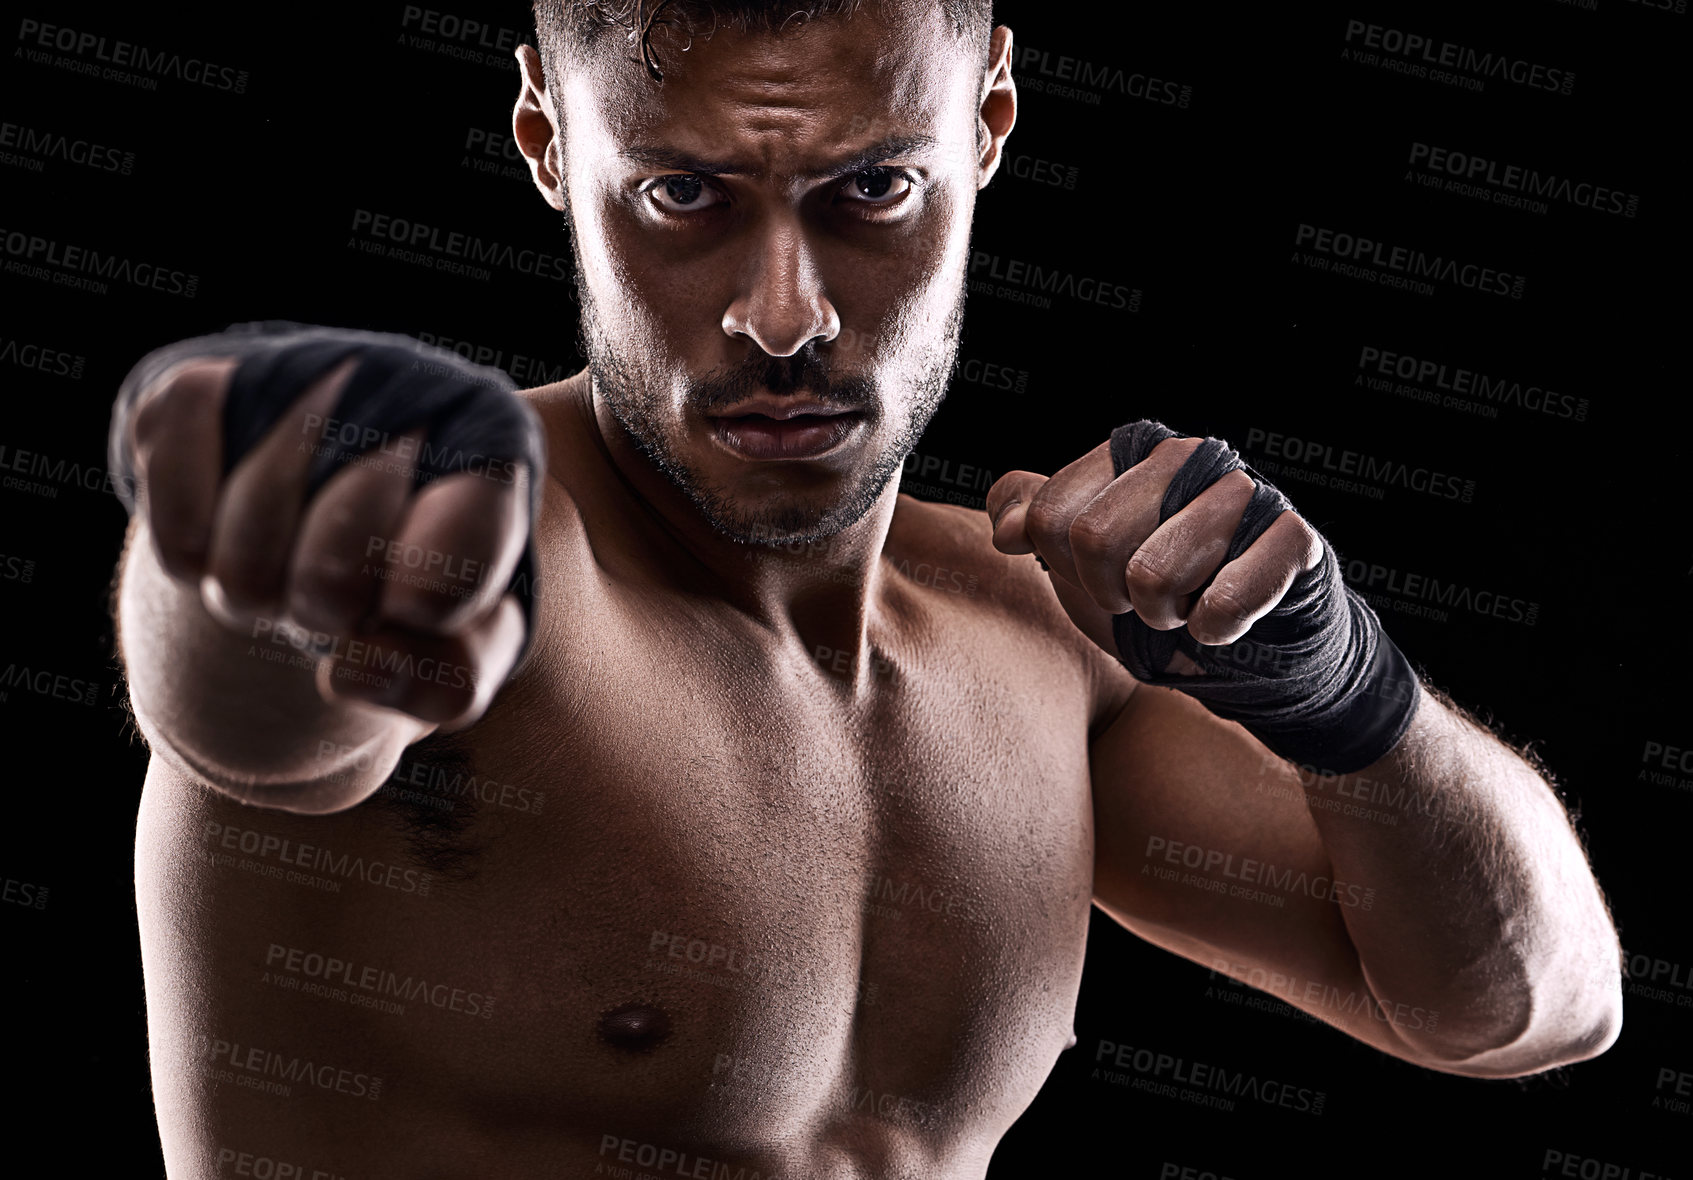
point(831, 776)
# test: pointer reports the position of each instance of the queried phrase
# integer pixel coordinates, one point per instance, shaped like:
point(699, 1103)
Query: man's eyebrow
point(869, 157)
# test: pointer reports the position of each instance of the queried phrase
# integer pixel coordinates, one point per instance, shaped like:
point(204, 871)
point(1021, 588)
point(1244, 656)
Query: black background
point(1195, 205)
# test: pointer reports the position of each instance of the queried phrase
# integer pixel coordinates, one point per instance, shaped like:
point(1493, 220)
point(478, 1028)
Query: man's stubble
point(638, 405)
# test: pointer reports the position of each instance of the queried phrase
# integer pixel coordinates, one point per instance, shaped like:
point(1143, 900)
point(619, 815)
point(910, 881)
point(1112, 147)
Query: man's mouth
point(767, 405)
point(767, 427)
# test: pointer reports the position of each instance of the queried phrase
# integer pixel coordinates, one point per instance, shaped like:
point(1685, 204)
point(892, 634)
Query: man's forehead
point(797, 102)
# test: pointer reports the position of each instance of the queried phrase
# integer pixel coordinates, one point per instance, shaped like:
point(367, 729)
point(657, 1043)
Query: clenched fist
point(1101, 532)
point(1168, 552)
point(341, 497)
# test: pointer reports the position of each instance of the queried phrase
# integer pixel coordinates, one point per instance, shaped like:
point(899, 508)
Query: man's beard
point(639, 406)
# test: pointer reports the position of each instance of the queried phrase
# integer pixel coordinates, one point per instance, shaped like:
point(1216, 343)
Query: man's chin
point(788, 518)
point(752, 504)
point(787, 524)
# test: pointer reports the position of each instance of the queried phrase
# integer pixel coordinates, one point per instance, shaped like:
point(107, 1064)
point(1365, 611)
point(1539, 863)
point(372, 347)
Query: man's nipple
point(634, 1027)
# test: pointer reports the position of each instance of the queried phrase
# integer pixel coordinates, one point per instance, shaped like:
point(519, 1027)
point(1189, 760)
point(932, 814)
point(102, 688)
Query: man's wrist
point(1363, 723)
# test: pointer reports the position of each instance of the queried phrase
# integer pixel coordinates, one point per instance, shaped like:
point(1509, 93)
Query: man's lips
point(783, 408)
point(789, 430)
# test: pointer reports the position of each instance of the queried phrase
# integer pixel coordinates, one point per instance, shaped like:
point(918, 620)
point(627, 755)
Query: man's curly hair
point(567, 30)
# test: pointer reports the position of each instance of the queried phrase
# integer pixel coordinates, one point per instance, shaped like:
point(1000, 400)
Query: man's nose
point(779, 301)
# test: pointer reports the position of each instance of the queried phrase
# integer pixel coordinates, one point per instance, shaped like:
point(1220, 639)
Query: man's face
point(786, 216)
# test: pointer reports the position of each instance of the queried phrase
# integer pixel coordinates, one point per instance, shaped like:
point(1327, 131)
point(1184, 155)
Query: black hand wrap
point(473, 420)
point(1316, 680)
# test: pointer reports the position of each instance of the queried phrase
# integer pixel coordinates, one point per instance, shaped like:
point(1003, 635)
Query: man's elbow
point(1579, 1029)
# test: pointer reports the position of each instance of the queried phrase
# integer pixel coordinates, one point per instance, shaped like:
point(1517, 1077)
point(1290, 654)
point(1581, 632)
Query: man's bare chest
point(801, 892)
point(713, 880)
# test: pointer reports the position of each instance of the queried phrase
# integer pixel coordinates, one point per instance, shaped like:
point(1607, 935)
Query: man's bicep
point(1204, 845)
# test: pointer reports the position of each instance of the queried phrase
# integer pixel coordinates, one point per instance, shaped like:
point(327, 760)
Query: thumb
point(1008, 506)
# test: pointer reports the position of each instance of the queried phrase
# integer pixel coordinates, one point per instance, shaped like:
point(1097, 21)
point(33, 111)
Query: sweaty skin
point(776, 857)
point(809, 891)
point(818, 914)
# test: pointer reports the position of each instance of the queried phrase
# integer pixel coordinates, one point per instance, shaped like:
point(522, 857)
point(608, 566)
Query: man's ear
point(998, 112)
point(534, 125)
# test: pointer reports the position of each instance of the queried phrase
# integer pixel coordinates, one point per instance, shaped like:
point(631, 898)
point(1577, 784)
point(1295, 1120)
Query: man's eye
point(872, 188)
point(877, 186)
point(683, 194)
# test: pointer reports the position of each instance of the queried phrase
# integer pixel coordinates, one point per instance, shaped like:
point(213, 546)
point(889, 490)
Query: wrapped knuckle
point(1146, 575)
point(1044, 519)
point(1313, 541)
point(1179, 447)
point(1240, 482)
point(1225, 604)
point(1091, 535)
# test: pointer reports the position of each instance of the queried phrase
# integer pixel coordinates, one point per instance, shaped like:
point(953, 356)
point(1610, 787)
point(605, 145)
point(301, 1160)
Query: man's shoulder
point(948, 548)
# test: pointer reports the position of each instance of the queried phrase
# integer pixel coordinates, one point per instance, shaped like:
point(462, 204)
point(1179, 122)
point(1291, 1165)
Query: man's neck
point(822, 593)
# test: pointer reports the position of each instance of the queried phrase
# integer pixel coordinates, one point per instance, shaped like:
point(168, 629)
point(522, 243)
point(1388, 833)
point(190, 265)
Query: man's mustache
point(804, 371)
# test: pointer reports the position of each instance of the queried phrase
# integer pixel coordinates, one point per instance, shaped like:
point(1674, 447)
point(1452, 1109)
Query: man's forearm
point(241, 713)
point(1485, 909)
